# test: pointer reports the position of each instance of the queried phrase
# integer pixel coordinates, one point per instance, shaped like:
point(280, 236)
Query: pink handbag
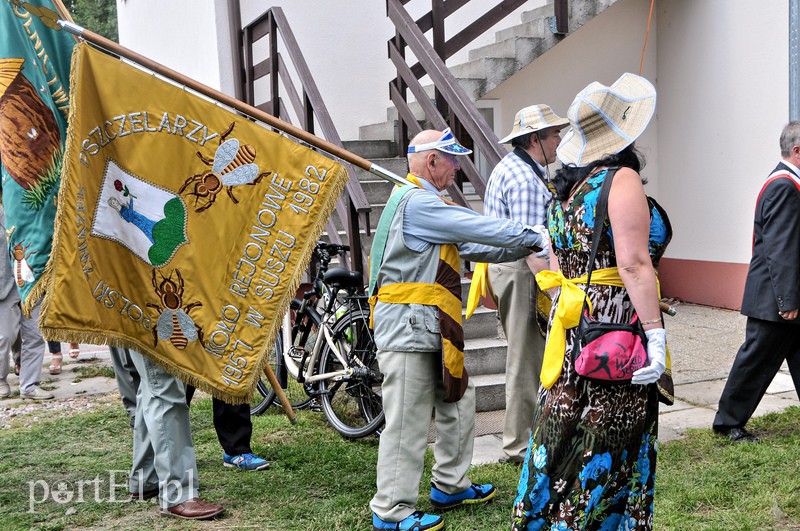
point(609, 352)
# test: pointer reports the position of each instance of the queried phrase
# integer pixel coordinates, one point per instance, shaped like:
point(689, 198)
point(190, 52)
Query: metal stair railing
point(352, 208)
point(452, 107)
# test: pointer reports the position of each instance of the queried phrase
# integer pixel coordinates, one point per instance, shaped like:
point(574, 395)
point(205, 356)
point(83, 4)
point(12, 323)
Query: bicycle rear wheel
point(352, 403)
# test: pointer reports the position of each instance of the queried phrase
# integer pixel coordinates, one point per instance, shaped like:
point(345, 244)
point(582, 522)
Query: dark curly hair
point(569, 175)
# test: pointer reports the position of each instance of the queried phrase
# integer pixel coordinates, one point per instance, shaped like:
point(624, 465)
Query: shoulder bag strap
point(600, 212)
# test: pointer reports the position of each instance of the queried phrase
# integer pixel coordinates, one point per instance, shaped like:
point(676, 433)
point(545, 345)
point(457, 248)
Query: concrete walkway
point(703, 342)
point(72, 380)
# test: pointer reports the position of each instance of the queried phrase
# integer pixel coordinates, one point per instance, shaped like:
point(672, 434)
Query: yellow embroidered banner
point(182, 230)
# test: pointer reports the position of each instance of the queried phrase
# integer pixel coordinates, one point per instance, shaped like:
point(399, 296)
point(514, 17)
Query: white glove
point(656, 354)
point(544, 241)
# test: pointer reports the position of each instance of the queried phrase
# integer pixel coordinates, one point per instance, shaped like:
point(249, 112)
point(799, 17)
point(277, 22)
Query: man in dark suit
point(771, 296)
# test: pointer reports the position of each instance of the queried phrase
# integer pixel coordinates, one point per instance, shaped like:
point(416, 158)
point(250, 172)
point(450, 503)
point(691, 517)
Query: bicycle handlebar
point(332, 249)
point(325, 251)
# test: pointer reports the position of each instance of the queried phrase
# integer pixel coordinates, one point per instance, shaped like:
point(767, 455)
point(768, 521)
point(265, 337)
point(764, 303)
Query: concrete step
point(482, 324)
point(485, 355)
point(537, 27)
point(377, 190)
point(371, 149)
point(494, 70)
point(540, 13)
point(396, 165)
point(522, 49)
point(490, 391)
point(474, 87)
point(380, 131)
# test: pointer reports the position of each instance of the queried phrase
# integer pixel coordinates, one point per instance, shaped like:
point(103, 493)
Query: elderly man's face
point(442, 168)
point(549, 139)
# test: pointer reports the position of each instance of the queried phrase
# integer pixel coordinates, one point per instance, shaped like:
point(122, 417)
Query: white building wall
point(602, 50)
point(343, 41)
point(184, 35)
point(720, 68)
point(723, 99)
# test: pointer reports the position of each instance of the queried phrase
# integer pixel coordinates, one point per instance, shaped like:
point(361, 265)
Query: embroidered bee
point(174, 323)
point(232, 166)
point(22, 271)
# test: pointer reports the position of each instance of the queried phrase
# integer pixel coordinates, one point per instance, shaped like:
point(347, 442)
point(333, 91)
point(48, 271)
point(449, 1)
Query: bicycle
point(331, 358)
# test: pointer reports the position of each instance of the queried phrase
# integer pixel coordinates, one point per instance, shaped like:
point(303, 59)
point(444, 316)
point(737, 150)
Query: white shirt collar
point(792, 167)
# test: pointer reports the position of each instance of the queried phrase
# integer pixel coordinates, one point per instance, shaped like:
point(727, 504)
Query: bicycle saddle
point(344, 278)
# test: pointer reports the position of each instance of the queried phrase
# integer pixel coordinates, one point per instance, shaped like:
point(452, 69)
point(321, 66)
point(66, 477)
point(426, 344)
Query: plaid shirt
point(516, 192)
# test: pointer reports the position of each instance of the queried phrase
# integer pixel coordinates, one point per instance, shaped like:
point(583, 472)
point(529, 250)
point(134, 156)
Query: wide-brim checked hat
point(605, 120)
point(532, 119)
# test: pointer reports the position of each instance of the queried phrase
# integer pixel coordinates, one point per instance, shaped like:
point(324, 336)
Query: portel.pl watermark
point(114, 487)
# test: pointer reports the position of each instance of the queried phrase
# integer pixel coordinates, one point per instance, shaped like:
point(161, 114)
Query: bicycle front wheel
point(295, 392)
point(352, 402)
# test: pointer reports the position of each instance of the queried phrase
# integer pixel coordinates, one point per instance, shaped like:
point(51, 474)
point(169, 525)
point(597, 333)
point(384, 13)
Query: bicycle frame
point(308, 375)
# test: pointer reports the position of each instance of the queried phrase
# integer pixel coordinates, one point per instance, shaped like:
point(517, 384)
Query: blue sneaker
point(474, 494)
point(418, 521)
point(244, 461)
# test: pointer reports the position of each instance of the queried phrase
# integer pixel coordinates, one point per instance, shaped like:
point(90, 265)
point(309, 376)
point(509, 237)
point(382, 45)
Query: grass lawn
point(55, 473)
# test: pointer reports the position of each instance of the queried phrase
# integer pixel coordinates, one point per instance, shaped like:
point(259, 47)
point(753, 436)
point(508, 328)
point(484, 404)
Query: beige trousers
point(514, 290)
point(412, 391)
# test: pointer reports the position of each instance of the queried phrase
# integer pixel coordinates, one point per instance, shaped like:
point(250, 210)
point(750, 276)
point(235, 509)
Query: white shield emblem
point(147, 220)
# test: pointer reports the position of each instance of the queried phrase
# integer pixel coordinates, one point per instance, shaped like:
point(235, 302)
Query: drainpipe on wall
point(794, 60)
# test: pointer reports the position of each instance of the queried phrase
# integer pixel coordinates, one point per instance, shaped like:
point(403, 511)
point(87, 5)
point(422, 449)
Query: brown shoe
point(142, 495)
point(194, 509)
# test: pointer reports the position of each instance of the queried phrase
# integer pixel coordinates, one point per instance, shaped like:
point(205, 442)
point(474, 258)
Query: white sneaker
point(36, 394)
point(5, 389)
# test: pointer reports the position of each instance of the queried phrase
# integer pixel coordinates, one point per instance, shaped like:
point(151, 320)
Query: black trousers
point(232, 424)
point(766, 345)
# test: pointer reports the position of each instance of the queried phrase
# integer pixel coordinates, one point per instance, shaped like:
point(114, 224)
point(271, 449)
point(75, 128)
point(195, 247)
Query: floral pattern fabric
point(591, 460)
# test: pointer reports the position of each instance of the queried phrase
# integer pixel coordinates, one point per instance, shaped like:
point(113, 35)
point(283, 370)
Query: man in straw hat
point(415, 295)
point(771, 296)
point(519, 189)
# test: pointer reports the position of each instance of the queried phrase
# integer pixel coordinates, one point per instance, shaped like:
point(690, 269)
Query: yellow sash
point(568, 314)
point(477, 287)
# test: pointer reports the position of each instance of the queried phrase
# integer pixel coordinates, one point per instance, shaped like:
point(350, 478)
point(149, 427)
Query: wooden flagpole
point(239, 105)
point(63, 11)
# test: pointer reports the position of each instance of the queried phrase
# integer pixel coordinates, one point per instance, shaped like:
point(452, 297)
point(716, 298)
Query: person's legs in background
point(7, 331)
point(234, 430)
point(56, 358)
point(514, 290)
point(16, 351)
point(162, 444)
point(31, 358)
point(127, 380)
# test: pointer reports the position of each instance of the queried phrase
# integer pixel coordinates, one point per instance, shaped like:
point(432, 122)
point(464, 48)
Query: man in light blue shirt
point(416, 296)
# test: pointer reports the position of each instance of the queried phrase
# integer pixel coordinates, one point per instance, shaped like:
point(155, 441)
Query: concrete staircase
point(488, 66)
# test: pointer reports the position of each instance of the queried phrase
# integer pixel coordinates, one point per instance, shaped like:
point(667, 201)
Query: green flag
point(34, 104)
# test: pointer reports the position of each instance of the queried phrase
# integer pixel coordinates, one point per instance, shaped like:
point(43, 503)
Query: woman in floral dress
point(592, 455)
